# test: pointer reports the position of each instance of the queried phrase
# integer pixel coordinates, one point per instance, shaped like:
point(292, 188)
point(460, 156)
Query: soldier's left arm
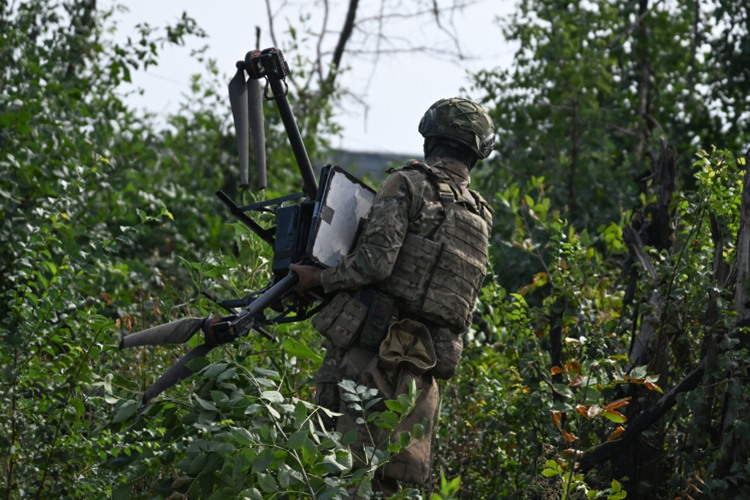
point(375, 255)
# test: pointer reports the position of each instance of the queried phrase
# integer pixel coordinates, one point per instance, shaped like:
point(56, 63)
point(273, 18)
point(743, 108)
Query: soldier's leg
point(448, 349)
point(326, 383)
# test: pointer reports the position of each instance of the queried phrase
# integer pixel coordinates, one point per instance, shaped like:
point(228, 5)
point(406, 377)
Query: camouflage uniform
point(408, 205)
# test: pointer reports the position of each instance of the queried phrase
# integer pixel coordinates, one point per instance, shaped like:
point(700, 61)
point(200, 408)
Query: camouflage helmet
point(462, 120)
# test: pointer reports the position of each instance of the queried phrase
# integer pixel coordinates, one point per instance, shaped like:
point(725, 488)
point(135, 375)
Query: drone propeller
point(176, 373)
point(176, 332)
point(247, 110)
point(255, 113)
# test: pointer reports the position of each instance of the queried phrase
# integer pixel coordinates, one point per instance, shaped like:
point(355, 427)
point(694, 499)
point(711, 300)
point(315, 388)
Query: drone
point(317, 226)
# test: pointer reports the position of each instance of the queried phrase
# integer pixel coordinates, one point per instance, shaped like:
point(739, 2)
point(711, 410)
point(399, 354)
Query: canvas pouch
point(341, 320)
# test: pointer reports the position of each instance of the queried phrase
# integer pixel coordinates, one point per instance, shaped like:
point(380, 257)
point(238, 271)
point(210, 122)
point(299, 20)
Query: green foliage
point(594, 87)
point(516, 424)
point(108, 226)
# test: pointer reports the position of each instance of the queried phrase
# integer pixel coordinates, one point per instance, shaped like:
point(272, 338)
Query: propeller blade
point(238, 101)
point(176, 332)
point(255, 114)
point(177, 372)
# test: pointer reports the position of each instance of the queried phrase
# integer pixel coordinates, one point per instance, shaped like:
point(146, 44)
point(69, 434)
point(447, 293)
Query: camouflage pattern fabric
point(408, 205)
point(439, 277)
point(462, 120)
point(407, 202)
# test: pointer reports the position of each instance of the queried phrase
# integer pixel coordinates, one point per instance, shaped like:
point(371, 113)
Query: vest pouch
point(381, 314)
point(341, 320)
point(408, 342)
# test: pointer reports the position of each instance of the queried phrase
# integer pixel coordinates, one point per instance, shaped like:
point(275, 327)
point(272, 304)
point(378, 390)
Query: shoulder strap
point(447, 193)
point(485, 208)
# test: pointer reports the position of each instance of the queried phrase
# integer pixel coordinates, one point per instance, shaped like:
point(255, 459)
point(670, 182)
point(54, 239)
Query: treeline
point(608, 352)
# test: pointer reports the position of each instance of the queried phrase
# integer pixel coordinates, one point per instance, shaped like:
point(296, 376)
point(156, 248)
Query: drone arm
point(295, 138)
point(216, 331)
point(264, 234)
point(246, 318)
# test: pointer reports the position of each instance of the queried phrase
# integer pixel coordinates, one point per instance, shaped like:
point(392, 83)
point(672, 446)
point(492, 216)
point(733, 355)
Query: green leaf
point(639, 372)
point(263, 460)
point(614, 416)
point(268, 373)
point(198, 364)
point(350, 437)
point(206, 405)
point(404, 438)
point(214, 370)
point(331, 465)
point(365, 487)
point(78, 406)
point(225, 493)
point(122, 382)
point(198, 463)
point(349, 386)
point(300, 350)
point(389, 417)
point(349, 397)
point(297, 440)
point(272, 396)
point(395, 406)
point(300, 412)
point(372, 403)
point(563, 390)
point(227, 374)
point(310, 450)
point(330, 493)
point(418, 431)
point(267, 483)
point(549, 472)
point(242, 436)
point(219, 397)
point(253, 494)
point(126, 411)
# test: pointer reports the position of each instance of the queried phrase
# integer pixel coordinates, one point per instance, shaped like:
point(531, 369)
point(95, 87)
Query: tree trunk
point(736, 446)
point(644, 79)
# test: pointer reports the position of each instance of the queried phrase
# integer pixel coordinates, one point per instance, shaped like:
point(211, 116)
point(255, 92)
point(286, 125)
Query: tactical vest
point(438, 276)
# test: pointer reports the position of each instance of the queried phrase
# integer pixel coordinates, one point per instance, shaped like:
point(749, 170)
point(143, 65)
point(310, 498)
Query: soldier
point(407, 291)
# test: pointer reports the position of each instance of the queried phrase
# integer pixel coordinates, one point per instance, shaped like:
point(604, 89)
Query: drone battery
point(293, 224)
point(286, 238)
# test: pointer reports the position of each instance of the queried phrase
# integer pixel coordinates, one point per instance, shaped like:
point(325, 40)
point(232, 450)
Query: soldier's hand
point(309, 276)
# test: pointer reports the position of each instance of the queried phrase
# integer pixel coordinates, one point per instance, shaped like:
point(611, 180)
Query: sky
point(397, 90)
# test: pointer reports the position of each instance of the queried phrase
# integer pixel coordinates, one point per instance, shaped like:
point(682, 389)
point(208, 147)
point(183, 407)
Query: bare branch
point(418, 13)
point(318, 49)
point(643, 421)
point(346, 32)
point(378, 41)
point(271, 15)
point(436, 12)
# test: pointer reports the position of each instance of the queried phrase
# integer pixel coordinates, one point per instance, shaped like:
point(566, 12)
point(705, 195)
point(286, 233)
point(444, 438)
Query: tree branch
point(346, 32)
point(643, 421)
